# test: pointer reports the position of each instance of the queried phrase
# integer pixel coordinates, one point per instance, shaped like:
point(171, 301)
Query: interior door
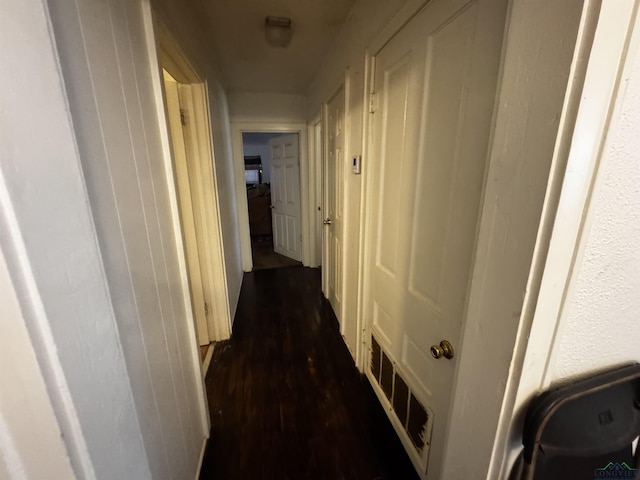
point(285, 195)
point(434, 86)
point(187, 203)
point(334, 184)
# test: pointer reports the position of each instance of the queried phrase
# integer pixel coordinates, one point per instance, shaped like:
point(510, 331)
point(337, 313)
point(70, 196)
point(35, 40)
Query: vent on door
point(411, 413)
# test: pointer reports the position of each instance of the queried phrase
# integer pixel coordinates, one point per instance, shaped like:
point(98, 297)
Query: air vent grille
point(411, 413)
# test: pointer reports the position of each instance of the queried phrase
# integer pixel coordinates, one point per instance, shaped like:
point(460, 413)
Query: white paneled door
point(333, 184)
point(434, 86)
point(285, 195)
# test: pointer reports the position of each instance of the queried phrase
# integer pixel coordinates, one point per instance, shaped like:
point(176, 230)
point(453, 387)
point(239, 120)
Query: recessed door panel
point(449, 58)
point(290, 184)
point(394, 132)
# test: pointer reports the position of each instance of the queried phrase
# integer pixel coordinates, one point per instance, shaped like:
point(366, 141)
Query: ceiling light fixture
point(277, 31)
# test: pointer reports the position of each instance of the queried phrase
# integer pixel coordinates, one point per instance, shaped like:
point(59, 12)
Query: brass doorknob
point(445, 349)
point(327, 221)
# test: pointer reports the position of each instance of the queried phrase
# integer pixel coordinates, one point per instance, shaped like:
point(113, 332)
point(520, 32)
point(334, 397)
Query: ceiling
point(248, 63)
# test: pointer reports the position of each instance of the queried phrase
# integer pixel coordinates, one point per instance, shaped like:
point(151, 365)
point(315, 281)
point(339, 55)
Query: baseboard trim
point(201, 460)
point(207, 359)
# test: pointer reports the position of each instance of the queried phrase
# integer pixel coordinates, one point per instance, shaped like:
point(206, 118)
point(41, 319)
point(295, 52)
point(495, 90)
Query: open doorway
point(189, 204)
point(191, 162)
point(299, 178)
point(272, 181)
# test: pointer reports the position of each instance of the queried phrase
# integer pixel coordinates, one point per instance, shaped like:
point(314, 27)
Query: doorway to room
point(191, 165)
point(272, 182)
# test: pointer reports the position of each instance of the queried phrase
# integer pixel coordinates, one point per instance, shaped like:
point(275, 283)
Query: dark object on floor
point(286, 400)
point(584, 429)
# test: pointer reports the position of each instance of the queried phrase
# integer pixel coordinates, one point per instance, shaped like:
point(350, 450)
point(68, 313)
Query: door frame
point(172, 58)
point(483, 279)
point(190, 203)
point(325, 189)
point(314, 134)
point(307, 176)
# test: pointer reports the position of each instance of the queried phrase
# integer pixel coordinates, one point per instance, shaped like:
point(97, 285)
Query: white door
point(285, 195)
point(434, 85)
point(333, 187)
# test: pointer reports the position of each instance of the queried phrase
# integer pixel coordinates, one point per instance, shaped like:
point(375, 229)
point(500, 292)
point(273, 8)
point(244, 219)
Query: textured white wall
point(600, 324)
point(25, 406)
point(583, 316)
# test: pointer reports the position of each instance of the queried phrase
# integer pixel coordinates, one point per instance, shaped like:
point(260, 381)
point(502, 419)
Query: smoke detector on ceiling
point(277, 31)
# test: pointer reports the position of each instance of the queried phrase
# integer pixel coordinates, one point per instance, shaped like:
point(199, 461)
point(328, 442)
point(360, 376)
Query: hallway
point(286, 401)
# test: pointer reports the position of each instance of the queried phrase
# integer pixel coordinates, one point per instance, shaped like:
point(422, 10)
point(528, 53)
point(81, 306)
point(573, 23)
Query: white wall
point(50, 246)
point(599, 325)
point(266, 107)
point(31, 445)
point(582, 318)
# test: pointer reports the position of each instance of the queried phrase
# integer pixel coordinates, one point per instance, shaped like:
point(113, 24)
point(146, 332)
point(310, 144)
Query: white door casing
point(188, 206)
point(434, 85)
point(202, 203)
point(333, 207)
point(193, 99)
point(315, 179)
point(307, 176)
point(285, 195)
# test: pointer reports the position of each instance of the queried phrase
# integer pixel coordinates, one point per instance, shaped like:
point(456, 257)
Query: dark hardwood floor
point(286, 400)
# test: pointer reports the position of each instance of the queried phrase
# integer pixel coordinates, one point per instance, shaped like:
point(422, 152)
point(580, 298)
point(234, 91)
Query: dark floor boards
point(286, 400)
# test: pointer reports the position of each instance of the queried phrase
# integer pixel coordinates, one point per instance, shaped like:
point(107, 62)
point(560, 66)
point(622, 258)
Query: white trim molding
point(314, 135)
point(306, 177)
